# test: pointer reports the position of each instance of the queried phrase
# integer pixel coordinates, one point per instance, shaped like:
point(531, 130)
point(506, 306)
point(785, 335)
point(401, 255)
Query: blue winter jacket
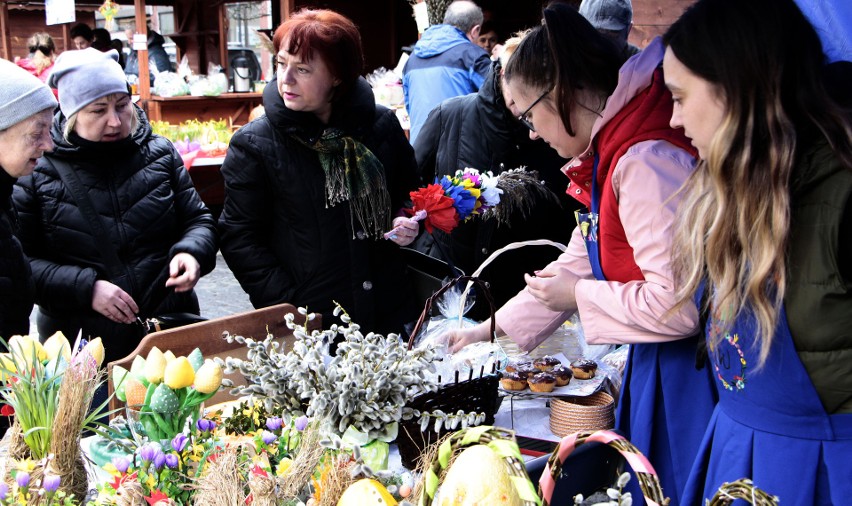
point(444, 64)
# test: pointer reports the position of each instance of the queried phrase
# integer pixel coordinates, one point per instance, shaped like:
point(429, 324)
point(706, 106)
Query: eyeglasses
point(523, 117)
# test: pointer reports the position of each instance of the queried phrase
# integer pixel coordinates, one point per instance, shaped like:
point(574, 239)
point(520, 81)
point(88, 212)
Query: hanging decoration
point(108, 10)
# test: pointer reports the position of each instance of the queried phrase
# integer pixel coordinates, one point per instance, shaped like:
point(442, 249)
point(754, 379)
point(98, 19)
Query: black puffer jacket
point(281, 240)
point(16, 283)
point(478, 131)
point(148, 207)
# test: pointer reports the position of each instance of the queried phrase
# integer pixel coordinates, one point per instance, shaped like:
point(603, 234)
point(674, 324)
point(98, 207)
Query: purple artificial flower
point(50, 483)
point(179, 442)
point(268, 437)
point(172, 460)
point(121, 464)
point(159, 460)
point(4, 491)
point(23, 479)
point(274, 423)
point(147, 453)
point(205, 425)
point(301, 423)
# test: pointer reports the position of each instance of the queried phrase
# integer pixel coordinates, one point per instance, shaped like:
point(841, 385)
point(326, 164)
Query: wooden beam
point(223, 37)
point(144, 86)
point(5, 39)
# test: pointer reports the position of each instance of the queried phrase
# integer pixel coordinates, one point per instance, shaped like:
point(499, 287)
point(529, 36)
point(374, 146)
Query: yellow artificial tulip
point(155, 366)
point(179, 373)
point(95, 349)
point(7, 366)
point(27, 347)
point(169, 356)
point(57, 345)
point(208, 379)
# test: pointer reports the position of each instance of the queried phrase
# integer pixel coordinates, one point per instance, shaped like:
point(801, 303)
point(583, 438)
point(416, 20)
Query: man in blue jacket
point(445, 63)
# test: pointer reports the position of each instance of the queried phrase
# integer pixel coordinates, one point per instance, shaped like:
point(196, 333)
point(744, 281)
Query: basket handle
point(428, 309)
point(648, 480)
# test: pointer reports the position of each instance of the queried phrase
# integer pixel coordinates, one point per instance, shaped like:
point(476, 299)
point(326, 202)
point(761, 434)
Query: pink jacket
point(645, 181)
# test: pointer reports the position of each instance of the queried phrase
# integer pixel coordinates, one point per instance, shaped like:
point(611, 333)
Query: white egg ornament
point(366, 492)
point(478, 477)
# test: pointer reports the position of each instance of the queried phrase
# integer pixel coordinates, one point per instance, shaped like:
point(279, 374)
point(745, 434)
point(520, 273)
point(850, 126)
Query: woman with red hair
point(311, 186)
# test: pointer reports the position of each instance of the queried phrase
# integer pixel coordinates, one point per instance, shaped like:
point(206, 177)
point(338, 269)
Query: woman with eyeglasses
point(627, 166)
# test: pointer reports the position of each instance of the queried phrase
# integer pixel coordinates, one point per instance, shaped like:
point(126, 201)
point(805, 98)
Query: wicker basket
point(574, 414)
point(649, 482)
point(472, 394)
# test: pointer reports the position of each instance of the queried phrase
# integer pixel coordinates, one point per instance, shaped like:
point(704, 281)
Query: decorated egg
point(478, 476)
point(366, 492)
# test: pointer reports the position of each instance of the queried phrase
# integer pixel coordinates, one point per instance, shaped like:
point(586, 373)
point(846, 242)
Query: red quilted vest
point(645, 117)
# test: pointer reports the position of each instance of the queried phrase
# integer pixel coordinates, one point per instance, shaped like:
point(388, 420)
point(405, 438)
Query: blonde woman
point(766, 224)
point(42, 55)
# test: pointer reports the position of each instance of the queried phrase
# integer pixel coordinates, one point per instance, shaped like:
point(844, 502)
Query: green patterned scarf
point(353, 173)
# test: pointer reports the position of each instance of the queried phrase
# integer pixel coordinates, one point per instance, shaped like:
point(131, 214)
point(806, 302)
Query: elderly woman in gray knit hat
point(26, 111)
point(110, 220)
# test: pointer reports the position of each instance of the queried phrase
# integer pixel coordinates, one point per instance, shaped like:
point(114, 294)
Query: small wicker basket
point(578, 414)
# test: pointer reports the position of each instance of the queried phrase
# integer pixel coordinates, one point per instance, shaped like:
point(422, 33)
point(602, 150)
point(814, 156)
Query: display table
point(207, 179)
point(234, 107)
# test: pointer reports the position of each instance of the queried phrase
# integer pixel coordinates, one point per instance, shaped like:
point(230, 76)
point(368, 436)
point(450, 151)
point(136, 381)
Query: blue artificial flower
point(205, 425)
point(23, 479)
point(301, 423)
point(50, 483)
point(159, 460)
point(179, 442)
point(147, 453)
point(274, 423)
point(121, 464)
point(463, 201)
point(268, 437)
point(4, 491)
point(172, 460)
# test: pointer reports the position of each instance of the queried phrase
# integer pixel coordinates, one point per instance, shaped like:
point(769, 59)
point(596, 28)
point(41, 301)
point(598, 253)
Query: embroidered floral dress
point(770, 425)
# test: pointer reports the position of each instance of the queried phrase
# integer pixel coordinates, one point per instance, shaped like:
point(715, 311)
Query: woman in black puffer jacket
point(163, 235)
point(311, 186)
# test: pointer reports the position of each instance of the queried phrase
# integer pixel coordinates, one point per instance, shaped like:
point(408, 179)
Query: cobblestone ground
point(219, 294)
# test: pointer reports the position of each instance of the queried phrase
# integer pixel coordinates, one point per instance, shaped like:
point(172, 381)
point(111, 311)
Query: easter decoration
point(451, 200)
point(49, 390)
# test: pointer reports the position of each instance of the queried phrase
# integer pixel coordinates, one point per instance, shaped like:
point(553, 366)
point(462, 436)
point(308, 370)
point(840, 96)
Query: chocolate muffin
point(513, 381)
point(546, 363)
point(542, 382)
point(562, 374)
point(584, 369)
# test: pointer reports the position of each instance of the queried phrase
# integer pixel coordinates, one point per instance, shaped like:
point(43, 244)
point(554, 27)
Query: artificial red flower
point(157, 496)
point(258, 471)
point(119, 480)
point(7, 410)
point(440, 212)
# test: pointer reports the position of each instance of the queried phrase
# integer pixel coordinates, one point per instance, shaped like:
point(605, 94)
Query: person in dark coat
point(26, 110)
point(311, 186)
point(161, 233)
point(158, 58)
point(482, 132)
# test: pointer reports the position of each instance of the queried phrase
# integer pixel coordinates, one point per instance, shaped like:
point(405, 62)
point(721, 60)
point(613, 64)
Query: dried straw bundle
point(130, 493)
point(222, 482)
point(336, 480)
point(78, 387)
point(310, 453)
point(263, 490)
point(429, 454)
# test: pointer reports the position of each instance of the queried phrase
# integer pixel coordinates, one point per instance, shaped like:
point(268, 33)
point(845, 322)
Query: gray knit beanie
point(84, 76)
point(21, 95)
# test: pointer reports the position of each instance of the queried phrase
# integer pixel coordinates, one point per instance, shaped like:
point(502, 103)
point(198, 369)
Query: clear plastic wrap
point(170, 84)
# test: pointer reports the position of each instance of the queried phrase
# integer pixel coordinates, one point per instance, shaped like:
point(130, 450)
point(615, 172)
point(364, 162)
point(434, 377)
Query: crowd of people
point(711, 173)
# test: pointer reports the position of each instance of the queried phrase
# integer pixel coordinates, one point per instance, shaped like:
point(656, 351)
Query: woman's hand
point(553, 287)
point(184, 272)
point(405, 230)
point(113, 302)
point(459, 338)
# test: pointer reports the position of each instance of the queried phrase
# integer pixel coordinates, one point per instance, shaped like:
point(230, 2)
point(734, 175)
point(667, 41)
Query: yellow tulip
point(7, 366)
point(179, 373)
point(208, 379)
point(169, 356)
point(95, 349)
point(26, 348)
point(155, 366)
point(57, 345)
